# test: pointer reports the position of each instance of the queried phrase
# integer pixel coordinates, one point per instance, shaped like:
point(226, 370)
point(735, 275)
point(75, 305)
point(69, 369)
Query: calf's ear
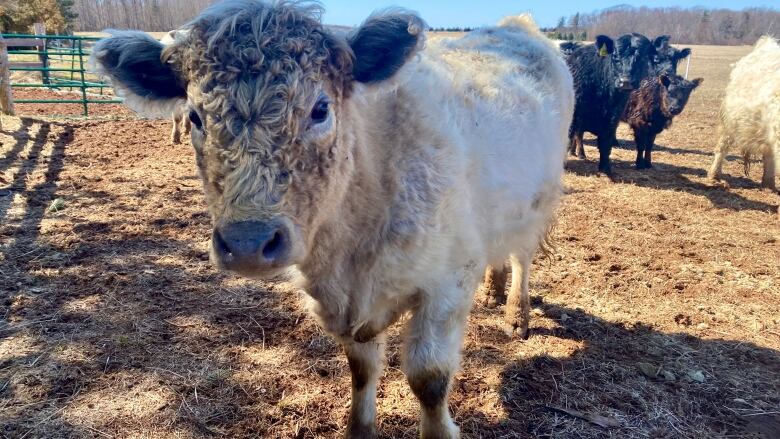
point(605, 45)
point(133, 62)
point(684, 53)
point(697, 82)
point(662, 42)
point(664, 80)
point(384, 43)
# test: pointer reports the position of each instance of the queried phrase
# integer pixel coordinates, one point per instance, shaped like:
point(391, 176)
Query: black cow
point(651, 108)
point(666, 57)
point(604, 75)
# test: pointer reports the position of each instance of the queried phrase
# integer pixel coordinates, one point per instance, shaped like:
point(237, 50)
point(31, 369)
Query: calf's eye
point(319, 113)
point(195, 119)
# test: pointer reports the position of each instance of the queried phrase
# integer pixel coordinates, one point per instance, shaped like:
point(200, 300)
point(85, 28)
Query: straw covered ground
point(658, 317)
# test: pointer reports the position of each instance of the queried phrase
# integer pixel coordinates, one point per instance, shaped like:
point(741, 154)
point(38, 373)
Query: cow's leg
point(640, 149)
point(720, 153)
point(605, 150)
point(649, 143)
point(185, 120)
point(432, 353)
point(579, 146)
point(365, 364)
point(518, 302)
point(494, 286)
point(175, 133)
point(768, 179)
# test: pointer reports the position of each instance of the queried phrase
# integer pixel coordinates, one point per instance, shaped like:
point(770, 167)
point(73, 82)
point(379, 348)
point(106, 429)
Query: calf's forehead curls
point(257, 65)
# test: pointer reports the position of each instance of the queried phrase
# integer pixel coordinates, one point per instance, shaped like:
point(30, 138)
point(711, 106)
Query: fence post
point(40, 29)
point(83, 81)
point(6, 99)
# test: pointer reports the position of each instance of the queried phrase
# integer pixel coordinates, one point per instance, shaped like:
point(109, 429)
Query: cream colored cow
point(388, 174)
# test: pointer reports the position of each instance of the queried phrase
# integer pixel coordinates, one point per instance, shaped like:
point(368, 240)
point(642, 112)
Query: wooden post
point(40, 29)
point(6, 99)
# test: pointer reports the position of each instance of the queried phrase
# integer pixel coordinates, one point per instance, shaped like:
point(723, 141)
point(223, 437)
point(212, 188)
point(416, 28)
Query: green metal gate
point(62, 62)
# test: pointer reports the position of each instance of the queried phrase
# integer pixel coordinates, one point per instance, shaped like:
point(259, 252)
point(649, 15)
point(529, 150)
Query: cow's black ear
point(684, 53)
point(697, 82)
point(384, 42)
point(661, 42)
point(133, 62)
point(605, 45)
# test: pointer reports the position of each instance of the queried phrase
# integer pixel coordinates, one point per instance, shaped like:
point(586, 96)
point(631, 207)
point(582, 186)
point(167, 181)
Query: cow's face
point(267, 87)
point(666, 57)
point(678, 90)
point(630, 56)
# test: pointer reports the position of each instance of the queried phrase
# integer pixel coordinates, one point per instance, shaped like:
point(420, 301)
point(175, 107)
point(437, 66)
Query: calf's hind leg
point(768, 179)
point(175, 131)
point(518, 302)
point(494, 285)
point(365, 363)
point(720, 154)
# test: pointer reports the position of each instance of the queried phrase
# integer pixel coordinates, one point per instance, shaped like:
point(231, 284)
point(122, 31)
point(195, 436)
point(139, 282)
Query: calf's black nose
point(251, 245)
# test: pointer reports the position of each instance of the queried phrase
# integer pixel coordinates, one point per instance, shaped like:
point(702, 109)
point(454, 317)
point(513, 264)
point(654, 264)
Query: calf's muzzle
point(251, 247)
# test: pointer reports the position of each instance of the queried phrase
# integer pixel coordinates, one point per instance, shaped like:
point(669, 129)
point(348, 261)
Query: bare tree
point(686, 26)
point(149, 15)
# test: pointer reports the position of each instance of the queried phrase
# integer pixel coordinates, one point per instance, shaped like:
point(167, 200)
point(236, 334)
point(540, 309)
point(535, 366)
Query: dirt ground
point(659, 316)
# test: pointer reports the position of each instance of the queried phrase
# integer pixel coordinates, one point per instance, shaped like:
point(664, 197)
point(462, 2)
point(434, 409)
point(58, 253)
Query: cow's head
point(630, 56)
point(666, 57)
point(267, 87)
point(678, 90)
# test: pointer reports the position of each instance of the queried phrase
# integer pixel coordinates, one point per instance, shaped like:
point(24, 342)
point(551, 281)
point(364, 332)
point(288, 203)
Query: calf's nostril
point(274, 247)
point(219, 244)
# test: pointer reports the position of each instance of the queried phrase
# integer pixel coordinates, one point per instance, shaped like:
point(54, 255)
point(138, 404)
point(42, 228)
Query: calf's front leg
point(432, 354)
point(365, 364)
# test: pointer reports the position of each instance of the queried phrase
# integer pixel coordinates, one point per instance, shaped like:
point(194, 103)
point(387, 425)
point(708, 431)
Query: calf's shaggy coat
point(388, 175)
point(750, 112)
point(652, 107)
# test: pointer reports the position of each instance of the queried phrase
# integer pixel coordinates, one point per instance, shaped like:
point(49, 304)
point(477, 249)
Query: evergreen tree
point(66, 10)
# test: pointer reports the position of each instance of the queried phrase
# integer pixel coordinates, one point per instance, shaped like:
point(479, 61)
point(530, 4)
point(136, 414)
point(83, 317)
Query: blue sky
point(440, 13)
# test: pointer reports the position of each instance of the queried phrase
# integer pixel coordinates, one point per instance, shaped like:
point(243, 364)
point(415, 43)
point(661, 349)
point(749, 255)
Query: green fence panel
point(62, 50)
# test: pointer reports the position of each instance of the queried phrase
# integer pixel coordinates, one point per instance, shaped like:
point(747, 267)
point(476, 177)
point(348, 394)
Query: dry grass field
point(658, 317)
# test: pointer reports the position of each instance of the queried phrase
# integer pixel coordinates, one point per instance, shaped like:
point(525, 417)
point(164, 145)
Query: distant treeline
point(686, 26)
point(149, 15)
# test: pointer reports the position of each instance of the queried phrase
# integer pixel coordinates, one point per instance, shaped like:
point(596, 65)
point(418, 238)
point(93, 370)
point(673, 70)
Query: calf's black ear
point(384, 43)
point(661, 42)
point(605, 45)
point(132, 60)
point(684, 53)
point(664, 80)
point(697, 82)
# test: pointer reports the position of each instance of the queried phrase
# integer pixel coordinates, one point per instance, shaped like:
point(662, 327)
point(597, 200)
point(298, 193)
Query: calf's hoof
point(516, 331)
point(606, 170)
point(355, 431)
point(491, 301)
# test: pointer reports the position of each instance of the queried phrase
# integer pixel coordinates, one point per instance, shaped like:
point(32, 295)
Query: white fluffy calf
point(750, 112)
point(388, 173)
